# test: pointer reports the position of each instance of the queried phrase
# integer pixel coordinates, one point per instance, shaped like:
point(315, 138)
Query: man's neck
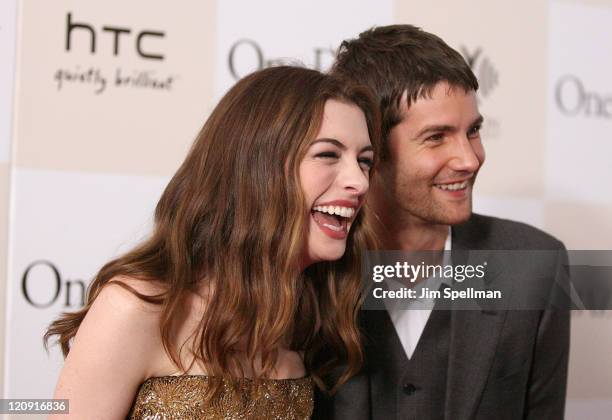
point(409, 233)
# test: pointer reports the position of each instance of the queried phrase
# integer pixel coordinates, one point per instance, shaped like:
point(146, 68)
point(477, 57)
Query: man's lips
point(453, 186)
point(457, 184)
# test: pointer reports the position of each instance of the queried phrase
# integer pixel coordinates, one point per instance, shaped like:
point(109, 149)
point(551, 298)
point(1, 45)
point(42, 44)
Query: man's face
point(435, 153)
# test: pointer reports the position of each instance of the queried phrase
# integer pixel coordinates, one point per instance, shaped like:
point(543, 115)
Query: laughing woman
point(252, 267)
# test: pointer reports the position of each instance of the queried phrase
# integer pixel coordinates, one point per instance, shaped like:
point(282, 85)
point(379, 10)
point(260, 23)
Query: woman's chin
point(328, 254)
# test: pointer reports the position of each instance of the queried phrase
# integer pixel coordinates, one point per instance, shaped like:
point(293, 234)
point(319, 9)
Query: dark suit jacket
point(501, 364)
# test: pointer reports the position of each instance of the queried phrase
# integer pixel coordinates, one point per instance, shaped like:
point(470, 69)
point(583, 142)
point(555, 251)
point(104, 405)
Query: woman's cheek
point(316, 180)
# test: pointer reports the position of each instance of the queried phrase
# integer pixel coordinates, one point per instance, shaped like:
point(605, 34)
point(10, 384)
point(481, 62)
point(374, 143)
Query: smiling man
point(434, 364)
point(433, 156)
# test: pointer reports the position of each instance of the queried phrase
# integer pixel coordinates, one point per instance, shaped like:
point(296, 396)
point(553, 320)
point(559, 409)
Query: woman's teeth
point(347, 212)
point(452, 187)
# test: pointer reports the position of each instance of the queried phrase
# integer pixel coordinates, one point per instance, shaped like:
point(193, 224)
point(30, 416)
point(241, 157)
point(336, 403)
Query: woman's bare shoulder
point(121, 293)
point(120, 314)
point(114, 349)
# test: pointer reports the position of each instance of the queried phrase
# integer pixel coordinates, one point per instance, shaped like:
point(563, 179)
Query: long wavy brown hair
point(235, 219)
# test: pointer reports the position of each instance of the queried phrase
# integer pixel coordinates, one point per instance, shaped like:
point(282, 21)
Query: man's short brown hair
point(391, 60)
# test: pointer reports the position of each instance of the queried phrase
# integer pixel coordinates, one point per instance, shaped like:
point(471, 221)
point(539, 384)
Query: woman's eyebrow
point(335, 142)
point(341, 145)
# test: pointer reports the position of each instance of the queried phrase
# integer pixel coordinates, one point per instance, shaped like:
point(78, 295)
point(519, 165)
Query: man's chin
point(454, 216)
point(459, 219)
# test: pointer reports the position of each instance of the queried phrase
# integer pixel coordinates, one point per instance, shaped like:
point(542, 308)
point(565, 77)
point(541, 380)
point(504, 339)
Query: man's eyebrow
point(478, 121)
point(434, 129)
point(446, 128)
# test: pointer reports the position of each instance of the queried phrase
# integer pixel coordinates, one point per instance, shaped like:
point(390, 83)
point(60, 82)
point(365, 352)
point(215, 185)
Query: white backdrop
point(88, 151)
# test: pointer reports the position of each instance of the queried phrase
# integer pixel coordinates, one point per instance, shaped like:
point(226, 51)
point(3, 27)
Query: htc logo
point(116, 36)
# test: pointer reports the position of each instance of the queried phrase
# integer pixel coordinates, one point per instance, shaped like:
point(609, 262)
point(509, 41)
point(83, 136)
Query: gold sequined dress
point(181, 397)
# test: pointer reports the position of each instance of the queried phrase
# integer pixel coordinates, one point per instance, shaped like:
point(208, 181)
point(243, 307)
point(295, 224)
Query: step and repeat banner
point(578, 188)
point(108, 96)
point(101, 100)
point(8, 19)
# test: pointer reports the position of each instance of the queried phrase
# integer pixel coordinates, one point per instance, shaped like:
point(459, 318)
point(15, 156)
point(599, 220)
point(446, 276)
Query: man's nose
point(465, 157)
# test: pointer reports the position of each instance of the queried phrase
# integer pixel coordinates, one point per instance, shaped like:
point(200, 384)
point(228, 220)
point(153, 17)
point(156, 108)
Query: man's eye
point(327, 155)
point(435, 137)
point(474, 132)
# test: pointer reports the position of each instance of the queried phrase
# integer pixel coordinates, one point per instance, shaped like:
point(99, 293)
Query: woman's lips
point(334, 217)
point(338, 230)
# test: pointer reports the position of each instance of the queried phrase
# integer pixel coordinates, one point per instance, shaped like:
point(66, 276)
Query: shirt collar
point(432, 282)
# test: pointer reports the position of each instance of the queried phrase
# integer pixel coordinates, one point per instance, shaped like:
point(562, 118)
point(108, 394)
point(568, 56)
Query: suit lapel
point(474, 336)
point(473, 341)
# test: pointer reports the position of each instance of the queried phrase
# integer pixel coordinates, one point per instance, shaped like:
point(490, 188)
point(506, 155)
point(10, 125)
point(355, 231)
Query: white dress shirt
point(410, 323)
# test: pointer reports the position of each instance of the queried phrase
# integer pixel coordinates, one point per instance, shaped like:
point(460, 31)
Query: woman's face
point(335, 176)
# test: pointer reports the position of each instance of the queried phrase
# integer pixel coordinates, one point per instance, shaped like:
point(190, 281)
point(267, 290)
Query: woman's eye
point(366, 162)
point(327, 155)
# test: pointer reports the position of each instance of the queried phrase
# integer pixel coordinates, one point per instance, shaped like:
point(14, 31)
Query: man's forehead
point(443, 100)
point(426, 92)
